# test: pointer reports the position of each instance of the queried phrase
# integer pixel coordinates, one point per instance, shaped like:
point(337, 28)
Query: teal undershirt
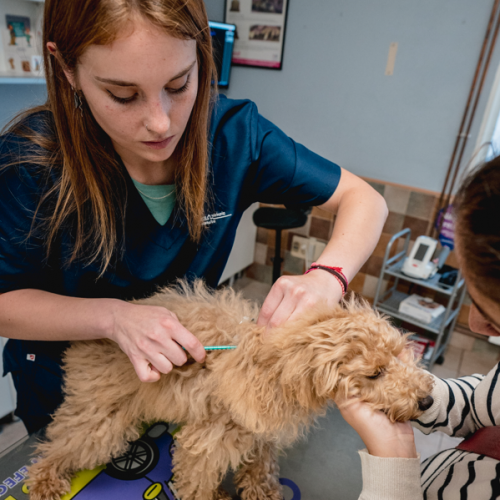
point(160, 208)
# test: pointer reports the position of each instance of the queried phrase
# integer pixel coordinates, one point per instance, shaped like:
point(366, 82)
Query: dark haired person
point(466, 407)
point(107, 190)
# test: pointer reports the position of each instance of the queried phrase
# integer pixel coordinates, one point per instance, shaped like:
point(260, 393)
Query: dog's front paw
point(43, 484)
point(261, 495)
point(261, 492)
point(222, 494)
point(48, 490)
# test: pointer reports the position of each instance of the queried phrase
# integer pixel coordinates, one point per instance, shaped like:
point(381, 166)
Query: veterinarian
point(462, 407)
point(114, 188)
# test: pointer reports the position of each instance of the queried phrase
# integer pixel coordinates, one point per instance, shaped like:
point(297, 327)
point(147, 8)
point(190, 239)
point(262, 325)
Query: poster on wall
point(20, 49)
point(260, 31)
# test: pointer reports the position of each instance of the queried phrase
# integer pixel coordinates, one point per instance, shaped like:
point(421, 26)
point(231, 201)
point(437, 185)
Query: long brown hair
point(477, 208)
point(91, 183)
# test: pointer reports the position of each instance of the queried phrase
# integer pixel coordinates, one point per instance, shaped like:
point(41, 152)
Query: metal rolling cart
point(388, 302)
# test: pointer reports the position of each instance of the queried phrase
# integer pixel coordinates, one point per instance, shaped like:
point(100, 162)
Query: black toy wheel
point(439, 360)
point(140, 459)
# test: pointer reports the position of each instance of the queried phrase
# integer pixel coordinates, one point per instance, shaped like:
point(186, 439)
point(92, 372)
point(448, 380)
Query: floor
point(464, 356)
point(11, 434)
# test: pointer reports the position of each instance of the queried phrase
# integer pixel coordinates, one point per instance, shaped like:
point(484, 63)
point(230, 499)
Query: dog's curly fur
point(239, 406)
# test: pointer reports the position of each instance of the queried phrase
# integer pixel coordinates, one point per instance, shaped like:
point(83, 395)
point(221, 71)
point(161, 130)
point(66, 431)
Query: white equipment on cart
point(420, 263)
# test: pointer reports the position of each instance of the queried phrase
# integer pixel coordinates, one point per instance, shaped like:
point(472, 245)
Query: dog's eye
point(377, 375)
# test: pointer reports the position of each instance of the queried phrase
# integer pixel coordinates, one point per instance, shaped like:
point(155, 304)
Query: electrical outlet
point(305, 248)
point(319, 246)
point(299, 247)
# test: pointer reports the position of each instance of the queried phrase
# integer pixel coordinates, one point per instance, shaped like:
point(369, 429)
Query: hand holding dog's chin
point(292, 296)
point(152, 337)
point(381, 437)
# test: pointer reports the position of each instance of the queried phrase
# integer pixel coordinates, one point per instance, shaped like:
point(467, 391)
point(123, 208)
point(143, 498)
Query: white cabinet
point(7, 391)
point(242, 254)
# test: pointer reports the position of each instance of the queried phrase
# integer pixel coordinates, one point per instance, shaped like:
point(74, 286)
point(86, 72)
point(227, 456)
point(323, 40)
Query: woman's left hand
point(291, 296)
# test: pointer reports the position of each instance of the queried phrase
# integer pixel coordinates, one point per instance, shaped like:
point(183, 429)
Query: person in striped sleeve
point(467, 407)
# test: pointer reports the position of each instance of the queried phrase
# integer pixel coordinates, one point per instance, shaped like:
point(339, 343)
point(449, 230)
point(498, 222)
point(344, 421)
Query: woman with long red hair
point(136, 173)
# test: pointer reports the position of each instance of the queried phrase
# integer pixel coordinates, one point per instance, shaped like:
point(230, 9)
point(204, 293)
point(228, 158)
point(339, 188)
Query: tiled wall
point(407, 208)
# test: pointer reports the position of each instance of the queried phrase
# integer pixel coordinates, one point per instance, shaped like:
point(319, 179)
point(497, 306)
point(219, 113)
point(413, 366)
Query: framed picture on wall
point(19, 44)
point(260, 31)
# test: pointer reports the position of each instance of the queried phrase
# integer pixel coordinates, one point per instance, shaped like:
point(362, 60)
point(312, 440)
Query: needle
point(219, 347)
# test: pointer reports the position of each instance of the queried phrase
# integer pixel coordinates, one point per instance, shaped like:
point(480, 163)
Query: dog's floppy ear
point(328, 367)
point(309, 372)
point(346, 388)
point(326, 380)
point(317, 356)
point(333, 377)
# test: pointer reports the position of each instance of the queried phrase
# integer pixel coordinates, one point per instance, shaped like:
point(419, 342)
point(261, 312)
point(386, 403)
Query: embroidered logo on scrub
point(213, 218)
point(30, 357)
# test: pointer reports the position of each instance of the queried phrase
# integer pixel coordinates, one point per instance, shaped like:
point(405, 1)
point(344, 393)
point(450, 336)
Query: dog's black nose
point(426, 403)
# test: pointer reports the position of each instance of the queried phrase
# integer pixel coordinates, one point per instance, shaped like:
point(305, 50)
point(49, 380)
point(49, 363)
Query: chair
point(279, 219)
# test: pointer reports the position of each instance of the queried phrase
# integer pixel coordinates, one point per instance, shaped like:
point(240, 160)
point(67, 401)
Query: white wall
point(333, 96)
point(14, 98)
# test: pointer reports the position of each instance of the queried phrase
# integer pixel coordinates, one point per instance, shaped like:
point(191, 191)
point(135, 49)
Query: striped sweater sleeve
point(390, 478)
point(462, 405)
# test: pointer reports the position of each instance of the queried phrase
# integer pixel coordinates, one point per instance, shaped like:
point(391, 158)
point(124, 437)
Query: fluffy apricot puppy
point(237, 408)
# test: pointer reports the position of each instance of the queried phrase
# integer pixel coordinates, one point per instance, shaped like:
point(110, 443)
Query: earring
point(78, 101)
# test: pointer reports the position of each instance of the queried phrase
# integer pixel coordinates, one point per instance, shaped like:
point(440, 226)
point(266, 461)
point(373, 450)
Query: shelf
point(432, 283)
point(425, 362)
point(16, 78)
point(390, 306)
point(388, 303)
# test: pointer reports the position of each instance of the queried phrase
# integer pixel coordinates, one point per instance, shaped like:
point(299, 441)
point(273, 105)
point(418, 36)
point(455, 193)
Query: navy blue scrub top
point(251, 160)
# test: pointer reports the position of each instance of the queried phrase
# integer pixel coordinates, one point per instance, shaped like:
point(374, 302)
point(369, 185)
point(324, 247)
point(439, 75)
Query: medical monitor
point(223, 43)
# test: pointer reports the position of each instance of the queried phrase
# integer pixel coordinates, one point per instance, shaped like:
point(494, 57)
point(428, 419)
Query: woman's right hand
point(381, 437)
point(151, 336)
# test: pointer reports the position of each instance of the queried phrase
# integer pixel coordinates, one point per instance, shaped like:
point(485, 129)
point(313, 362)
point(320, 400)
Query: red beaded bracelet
point(335, 271)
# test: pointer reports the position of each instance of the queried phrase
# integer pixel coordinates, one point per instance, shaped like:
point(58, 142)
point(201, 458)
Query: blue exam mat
point(325, 465)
